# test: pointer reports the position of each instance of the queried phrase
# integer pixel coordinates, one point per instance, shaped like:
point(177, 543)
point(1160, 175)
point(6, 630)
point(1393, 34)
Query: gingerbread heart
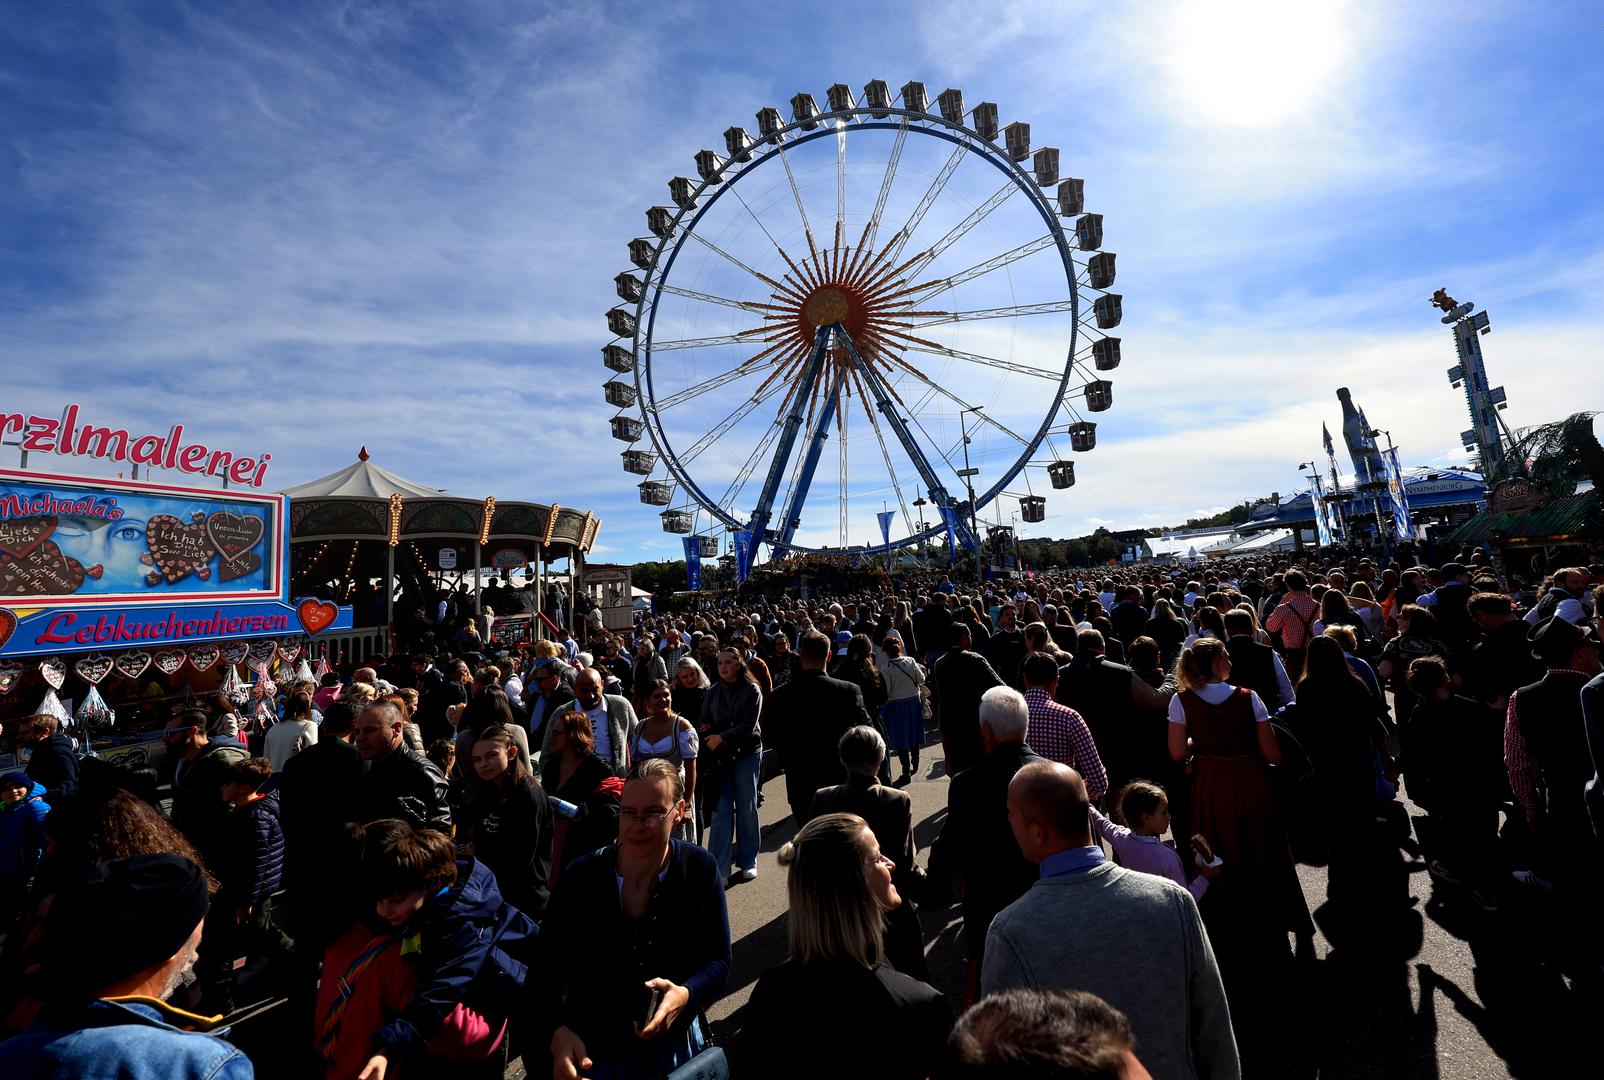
point(233, 535)
point(204, 656)
point(315, 615)
point(262, 650)
point(10, 673)
point(54, 671)
point(20, 536)
point(170, 660)
point(132, 665)
point(234, 651)
point(244, 566)
point(44, 571)
point(94, 667)
point(8, 625)
point(178, 548)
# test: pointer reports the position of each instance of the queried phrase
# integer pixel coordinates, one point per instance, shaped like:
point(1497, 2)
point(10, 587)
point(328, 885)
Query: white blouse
point(1215, 693)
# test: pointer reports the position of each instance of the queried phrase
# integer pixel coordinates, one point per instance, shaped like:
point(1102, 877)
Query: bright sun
point(1255, 63)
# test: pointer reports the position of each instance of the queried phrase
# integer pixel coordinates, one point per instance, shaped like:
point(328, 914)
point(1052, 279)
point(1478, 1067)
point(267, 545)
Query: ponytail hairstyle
point(1195, 668)
point(834, 915)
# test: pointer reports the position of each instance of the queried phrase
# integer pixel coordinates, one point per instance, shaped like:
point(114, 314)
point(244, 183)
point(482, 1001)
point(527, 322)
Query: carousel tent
point(364, 525)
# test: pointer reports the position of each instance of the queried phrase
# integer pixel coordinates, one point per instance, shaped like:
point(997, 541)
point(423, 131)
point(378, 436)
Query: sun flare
point(1255, 63)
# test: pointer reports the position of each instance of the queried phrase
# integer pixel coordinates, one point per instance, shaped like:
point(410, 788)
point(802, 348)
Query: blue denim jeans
point(738, 799)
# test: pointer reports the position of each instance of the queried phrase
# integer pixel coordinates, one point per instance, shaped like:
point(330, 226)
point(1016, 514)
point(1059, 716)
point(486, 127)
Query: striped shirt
point(1057, 732)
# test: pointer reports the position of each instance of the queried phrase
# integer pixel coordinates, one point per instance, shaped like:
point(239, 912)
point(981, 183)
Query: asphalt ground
point(1426, 986)
point(1433, 987)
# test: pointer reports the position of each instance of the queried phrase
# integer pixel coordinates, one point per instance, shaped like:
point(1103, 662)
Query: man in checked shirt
point(1056, 731)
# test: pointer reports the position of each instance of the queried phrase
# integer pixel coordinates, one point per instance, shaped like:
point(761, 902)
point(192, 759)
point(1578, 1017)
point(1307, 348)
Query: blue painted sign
point(50, 631)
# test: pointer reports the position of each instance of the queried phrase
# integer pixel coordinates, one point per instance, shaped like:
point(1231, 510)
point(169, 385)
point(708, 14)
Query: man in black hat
point(109, 1016)
point(1547, 755)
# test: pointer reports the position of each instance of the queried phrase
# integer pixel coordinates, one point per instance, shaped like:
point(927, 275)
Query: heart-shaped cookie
point(44, 571)
point(54, 671)
point(178, 549)
point(234, 651)
point(204, 656)
point(168, 661)
point(133, 664)
point(233, 534)
point(94, 667)
point(10, 672)
point(315, 615)
point(262, 650)
point(19, 536)
point(244, 566)
point(289, 650)
point(8, 625)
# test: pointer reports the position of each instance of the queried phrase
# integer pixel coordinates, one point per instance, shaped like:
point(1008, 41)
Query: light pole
point(1317, 499)
point(919, 508)
point(969, 475)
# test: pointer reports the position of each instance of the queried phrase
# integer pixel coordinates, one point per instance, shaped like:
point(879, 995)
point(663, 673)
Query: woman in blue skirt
point(903, 712)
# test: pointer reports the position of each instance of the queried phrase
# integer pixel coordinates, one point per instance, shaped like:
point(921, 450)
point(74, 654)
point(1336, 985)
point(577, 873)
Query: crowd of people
point(460, 855)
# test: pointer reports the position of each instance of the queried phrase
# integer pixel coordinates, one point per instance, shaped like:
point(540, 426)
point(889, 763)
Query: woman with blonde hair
point(885, 1023)
point(1226, 731)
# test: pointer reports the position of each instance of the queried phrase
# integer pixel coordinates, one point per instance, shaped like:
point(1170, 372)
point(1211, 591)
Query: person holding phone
point(636, 943)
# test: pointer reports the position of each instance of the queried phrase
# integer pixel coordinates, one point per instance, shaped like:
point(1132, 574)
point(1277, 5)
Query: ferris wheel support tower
point(1486, 433)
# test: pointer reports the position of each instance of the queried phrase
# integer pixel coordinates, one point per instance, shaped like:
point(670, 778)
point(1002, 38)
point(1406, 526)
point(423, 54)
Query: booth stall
point(120, 599)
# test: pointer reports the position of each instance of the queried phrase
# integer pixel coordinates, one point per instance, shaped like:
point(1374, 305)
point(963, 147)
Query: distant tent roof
point(362, 480)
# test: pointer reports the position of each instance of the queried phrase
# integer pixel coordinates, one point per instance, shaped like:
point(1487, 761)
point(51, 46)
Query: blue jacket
point(129, 1038)
point(468, 942)
point(22, 833)
point(255, 859)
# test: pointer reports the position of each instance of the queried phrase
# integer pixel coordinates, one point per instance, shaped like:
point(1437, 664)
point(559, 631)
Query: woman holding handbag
point(904, 709)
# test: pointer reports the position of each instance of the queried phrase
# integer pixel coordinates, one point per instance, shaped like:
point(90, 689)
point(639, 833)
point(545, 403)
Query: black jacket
point(198, 796)
point(1005, 651)
point(805, 720)
point(880, 1023)
point(957, 682)
point(54, 766)
point(977, 844)
point(888, 812)
point(404, 784)
point(511, 829)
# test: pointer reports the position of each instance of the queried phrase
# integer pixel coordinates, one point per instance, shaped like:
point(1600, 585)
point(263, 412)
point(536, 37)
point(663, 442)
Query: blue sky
point(306, 227)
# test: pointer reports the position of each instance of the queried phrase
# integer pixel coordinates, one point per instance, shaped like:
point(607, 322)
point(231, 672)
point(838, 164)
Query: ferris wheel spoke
point(715, 249)
point(885, 454)
point(840, 183)
point(719, 430)
point(939, 317)
point(733, 492)
point(796, 193)
point(996, 262)
point(957, 232)
point(873, 226)
point(708, 298)
point(745, 367)
point(905, 233)
point(960, 402)
point(783, 253)
point(920, 345)
point(736, 338)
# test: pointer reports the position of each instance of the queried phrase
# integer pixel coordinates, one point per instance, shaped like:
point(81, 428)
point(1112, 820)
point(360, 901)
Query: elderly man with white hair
point(976, 844)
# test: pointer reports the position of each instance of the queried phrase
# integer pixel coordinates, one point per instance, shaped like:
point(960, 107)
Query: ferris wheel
point(913, 285)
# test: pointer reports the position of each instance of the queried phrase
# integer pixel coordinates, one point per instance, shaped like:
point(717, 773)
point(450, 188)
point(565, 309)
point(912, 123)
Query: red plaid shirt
point(1294, 620)
point(1058, 732)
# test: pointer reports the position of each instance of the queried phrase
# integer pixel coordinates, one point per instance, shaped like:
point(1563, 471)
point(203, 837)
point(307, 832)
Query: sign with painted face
point(79, 541)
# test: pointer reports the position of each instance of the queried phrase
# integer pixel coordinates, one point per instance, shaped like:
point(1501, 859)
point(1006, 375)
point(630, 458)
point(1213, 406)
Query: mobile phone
point(654, 999)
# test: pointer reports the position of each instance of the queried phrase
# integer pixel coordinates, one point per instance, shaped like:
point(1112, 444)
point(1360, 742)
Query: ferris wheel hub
point(827, 306)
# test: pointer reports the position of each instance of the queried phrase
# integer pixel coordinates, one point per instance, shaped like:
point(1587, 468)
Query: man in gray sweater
point(1134, 940)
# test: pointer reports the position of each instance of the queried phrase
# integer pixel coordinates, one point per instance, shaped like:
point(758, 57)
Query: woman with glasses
point(508, 819)
point(882, 1022)
point(732, 747)
point(584, 786)
point(636, 943)
point(663, 733)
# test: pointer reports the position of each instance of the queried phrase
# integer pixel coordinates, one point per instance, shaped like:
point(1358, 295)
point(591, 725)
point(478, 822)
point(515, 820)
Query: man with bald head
point(1133, 939)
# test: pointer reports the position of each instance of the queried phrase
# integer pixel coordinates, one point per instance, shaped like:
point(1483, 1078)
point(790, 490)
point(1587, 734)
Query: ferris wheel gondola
point(853, 276)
